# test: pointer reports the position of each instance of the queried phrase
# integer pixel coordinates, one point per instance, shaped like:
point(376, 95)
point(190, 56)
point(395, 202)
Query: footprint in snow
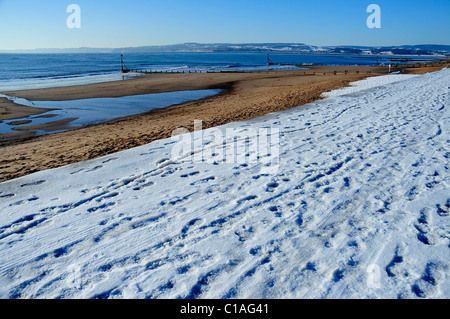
point(33, 183)
point(110, 160)
point(431, 278)
point(21, 202)
point(245, 199)
point(94, 168)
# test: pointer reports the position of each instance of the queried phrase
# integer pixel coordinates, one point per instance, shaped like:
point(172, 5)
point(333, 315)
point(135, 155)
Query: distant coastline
point(402, 50)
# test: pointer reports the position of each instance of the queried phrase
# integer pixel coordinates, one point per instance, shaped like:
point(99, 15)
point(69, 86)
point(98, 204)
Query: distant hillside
point(425, 49)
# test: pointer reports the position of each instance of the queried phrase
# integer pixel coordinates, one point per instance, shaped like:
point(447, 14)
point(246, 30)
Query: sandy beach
point(247, 95)
point(11, 111)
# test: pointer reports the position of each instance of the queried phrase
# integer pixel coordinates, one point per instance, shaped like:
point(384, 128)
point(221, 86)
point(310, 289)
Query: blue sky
point(29, 24)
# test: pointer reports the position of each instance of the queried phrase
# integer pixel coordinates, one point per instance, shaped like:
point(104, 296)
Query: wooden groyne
point(393, 67)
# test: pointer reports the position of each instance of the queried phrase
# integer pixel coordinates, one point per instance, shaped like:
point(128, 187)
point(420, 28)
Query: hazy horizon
point(103, 49)
point(43, 24)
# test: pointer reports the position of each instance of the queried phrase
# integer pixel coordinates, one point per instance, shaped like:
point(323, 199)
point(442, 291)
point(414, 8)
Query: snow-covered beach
point(351, 201)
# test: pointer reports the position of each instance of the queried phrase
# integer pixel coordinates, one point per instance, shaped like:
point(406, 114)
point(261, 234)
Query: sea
point(33, 71)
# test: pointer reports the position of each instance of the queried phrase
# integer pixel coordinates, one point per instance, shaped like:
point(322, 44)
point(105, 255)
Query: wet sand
point(248, 95)
point(12, 111)
point(51, 126)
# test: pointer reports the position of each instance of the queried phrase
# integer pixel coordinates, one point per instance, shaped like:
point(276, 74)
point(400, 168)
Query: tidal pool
point(79, 113)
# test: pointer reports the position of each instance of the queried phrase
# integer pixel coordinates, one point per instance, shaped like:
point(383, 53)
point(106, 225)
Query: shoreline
point(12, 111)
point(247, 95)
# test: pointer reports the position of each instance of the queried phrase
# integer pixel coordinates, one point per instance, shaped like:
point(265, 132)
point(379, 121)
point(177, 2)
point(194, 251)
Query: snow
point(368, 84)
point(347, 197)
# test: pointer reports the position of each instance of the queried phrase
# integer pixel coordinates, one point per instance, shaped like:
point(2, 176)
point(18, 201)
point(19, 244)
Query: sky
point(31, 24)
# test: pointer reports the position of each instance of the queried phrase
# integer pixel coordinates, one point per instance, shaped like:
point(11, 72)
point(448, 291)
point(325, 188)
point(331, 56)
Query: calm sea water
point(26, 71)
